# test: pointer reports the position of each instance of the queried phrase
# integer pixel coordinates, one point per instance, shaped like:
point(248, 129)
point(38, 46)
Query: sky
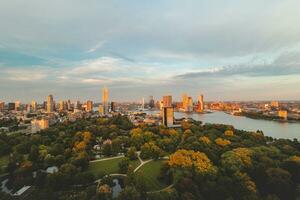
point(226, 50)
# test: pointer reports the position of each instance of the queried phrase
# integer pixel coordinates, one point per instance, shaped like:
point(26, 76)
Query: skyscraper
point(167, 111)
point(105, 100)
point(50, 104)
point(185, 102)
point(113, 107)
point(62, 105)
point(200, 106)
point(89, 106)
point(151, 102)
point(2, 104)
point(167, 101)
point(11, 106)
point(17, 105)
point(33, 106)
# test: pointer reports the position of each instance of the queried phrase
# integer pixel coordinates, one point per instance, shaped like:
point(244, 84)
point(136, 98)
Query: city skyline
point(208, 47)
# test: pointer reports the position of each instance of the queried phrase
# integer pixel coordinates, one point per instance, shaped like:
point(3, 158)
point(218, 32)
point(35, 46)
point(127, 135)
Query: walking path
point(141, 161)
point(162, 190)
point(110, 158)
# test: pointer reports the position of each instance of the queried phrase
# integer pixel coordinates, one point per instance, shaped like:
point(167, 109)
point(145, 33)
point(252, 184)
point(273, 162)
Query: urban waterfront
point(270, 128)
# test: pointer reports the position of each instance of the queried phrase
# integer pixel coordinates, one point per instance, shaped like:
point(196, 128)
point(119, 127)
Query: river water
point(270, 128)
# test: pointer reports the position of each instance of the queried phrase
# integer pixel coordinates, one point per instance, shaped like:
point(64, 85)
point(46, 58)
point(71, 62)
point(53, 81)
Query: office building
point(17, 106)
point(101, 109)
point(50, 104)
point(33, 106)
point(185, 102)
point(62, 106)
point(105, 100)
point(200, 106)
point(39, 124)
point(167, 111)
point(167, 101)
point(11, 106)
point(2, 105)
point(89, 106)
point(283, 114)
point(274, 104)
point(151, 102)
point(113, 107)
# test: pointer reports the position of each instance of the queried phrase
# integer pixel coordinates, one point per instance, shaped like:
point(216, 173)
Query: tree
point(151, 150)
point(129, 193)
point(237, 159)
point(279, 183)
point(107, 149)
point(131, 153)
point(123, 166)
point(228, 133)
point(222, 142)
point(190, 159)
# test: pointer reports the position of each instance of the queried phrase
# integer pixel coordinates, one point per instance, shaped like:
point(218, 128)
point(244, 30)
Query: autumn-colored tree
point(222, 142)
point(237, 159)
point(228, 133)
point(79, 146)
point(188, 158)
point(86, 136)
point(204, 139)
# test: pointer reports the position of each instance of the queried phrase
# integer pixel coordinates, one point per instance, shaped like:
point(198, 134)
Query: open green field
point(150, 172)
point(3, 163)
point(109, 166)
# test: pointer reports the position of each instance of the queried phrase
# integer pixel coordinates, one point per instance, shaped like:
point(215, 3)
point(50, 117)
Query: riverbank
point(260, 116)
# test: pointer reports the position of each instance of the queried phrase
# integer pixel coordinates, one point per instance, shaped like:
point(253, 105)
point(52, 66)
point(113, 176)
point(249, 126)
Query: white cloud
point(96, 47)
point(24, 75)
point(102, 64)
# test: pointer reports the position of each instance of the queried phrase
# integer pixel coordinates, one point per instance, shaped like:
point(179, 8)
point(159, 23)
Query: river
point(270, 128)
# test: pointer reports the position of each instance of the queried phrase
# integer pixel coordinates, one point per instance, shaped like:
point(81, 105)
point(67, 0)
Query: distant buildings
point(50, 104)
point(283, 114)
point(39, 124)
point(274, 104)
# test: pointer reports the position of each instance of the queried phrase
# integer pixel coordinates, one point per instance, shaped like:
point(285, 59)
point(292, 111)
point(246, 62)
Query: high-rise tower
point(50, 104)
point(200, 107)
point(105, 100)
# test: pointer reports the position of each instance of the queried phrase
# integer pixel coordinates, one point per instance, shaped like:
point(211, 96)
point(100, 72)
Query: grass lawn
point(109, 166)
point(150, 172)
point(3, 163)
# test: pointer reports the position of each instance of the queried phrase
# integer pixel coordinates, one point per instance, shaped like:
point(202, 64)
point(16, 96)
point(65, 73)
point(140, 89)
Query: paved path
point(99, 180)
point(141, 161)
point(110, 158)
point(162, 190)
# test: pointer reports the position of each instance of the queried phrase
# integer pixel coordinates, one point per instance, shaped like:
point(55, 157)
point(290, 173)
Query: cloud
point(285, 64)
point(24, 75)
point(96, 47)
point(102, 64)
